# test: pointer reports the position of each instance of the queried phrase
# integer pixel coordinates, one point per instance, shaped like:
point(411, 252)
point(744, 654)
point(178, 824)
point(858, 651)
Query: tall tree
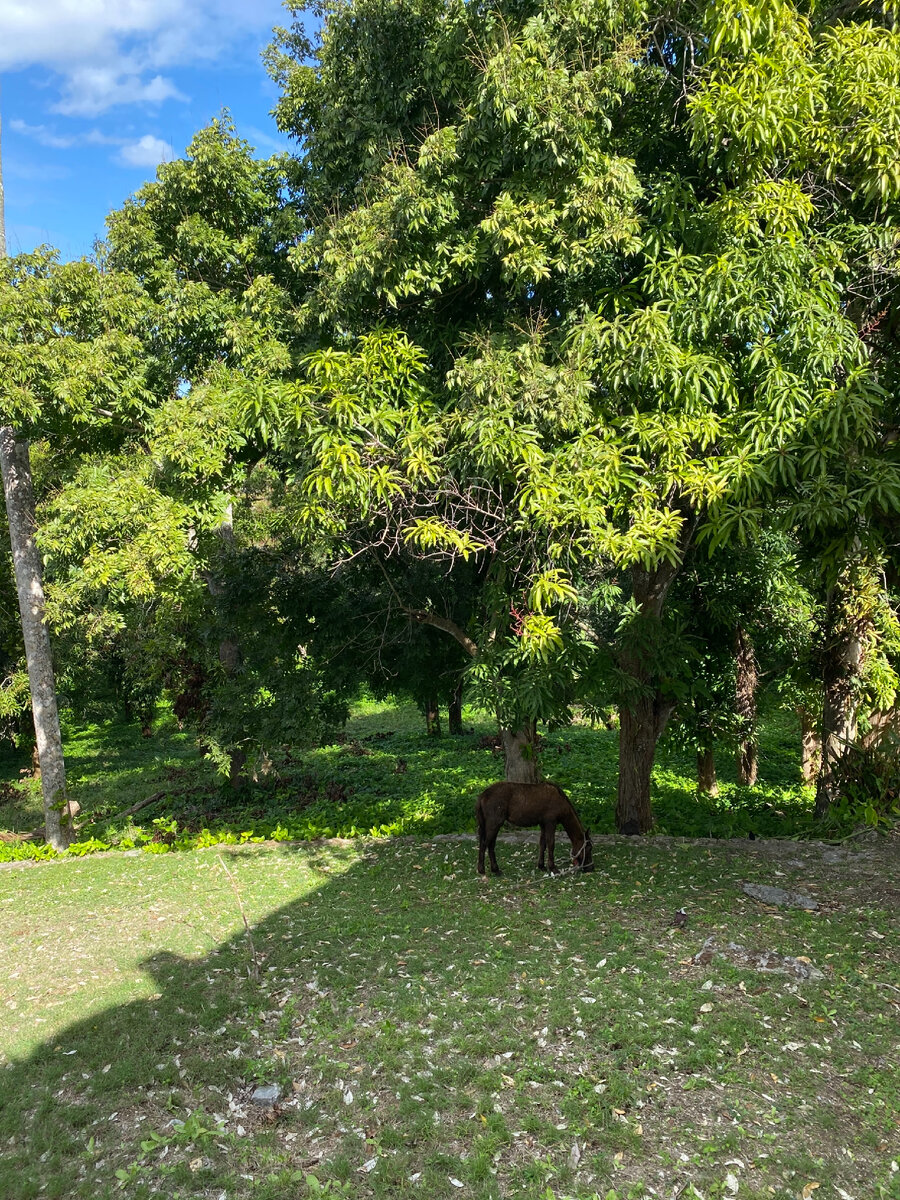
point(623, 280)
point(68, 360)
point(18, 492)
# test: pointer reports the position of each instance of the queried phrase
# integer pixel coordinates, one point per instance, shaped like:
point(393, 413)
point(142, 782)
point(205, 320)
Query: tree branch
point(448, 626)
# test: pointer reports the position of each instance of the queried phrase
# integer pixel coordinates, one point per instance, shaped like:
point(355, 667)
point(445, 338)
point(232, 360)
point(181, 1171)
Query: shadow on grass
point(78, 1108)
point(372, 1000)
point(428, 1027)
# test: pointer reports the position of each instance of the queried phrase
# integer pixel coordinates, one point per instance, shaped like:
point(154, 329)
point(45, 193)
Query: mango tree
point(601, 258)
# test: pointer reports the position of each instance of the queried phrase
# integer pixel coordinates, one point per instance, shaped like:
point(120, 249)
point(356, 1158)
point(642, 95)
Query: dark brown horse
point(542, 804)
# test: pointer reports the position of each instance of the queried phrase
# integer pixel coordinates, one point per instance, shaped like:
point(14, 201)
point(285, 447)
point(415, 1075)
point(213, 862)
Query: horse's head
point(583, 857)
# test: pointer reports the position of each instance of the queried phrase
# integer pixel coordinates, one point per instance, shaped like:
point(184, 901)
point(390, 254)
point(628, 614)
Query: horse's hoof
point(541, 867)
point(496, 872)
point(586, 870)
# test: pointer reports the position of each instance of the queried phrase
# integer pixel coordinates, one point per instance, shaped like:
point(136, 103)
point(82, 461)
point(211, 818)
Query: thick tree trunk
point(19, 494)
point(707, 783)
point(520, 753)
point(843, 665)
point(432, 717)
point(640, 725)
point(643, 718)
point(454, 710)
point(810, 745)
point(745, 706)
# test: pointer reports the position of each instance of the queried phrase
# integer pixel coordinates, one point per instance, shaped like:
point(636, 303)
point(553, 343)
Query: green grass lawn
point(438, 1035)
point(388, 778)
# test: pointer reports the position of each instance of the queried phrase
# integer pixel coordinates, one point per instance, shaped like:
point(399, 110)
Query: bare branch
point(448, 626)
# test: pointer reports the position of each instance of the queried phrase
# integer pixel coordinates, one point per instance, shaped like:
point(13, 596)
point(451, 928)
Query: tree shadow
point(159, 1089)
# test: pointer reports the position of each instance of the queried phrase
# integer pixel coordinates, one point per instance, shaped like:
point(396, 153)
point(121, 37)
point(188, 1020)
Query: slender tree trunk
point(810, 745)
point(432, 717)
point(707, 783)
point(15, 467)
point(19, 495)
point(843, 666)
point(454, 710)
point(520, 754)
point(745, 706)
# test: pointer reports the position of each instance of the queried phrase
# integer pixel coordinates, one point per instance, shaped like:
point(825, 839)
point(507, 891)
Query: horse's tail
point(479, 817)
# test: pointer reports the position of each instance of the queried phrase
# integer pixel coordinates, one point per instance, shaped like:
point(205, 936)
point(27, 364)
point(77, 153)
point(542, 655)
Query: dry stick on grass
point(254, 957)
point(136, 808)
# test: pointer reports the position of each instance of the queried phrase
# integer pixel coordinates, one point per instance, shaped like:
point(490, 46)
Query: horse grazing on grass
point(542, 804)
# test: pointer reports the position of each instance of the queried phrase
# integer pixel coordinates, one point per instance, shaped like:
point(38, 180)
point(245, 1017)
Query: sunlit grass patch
point(525, 1036)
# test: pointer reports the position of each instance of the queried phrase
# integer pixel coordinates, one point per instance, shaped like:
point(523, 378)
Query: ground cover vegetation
point(386, 776)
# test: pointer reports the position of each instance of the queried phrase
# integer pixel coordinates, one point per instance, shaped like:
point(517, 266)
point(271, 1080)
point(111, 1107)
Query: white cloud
point(42, 135)
point(148, 151)
point(115, 52)
point(90, 91)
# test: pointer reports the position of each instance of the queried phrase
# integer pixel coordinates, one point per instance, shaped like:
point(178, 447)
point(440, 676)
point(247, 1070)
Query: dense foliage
point(567, 336)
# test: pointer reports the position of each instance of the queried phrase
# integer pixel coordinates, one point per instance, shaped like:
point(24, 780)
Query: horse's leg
point(549, 832)
point(541, 866)
point(492, 831)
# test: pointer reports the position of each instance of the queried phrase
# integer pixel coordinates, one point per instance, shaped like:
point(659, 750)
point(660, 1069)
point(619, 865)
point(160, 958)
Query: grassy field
point(439, 1035)
point(386, 778)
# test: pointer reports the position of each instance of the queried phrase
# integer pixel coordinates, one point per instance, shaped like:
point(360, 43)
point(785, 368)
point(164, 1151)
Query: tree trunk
point(810, 746)
point(745, 706)
point(432, 717)
point(640, 725)
point(843, 665)
point(520, 753)
point(19, 494)
point(706, 773)
point(454, 710)
point(643, 717)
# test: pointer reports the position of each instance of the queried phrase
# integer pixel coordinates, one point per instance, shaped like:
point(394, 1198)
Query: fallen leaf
point(706, 1008)
point(370, 1165)
point(731, 1183)
point(574, 1156)
point(809, 1189)
point(455, 1182)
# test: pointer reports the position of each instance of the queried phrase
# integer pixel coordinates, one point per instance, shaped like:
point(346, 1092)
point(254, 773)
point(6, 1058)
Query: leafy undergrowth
point(386, 778)
point(438, 1035)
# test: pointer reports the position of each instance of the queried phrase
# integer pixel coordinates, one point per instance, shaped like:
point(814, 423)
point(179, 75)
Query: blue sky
point(95, 93)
